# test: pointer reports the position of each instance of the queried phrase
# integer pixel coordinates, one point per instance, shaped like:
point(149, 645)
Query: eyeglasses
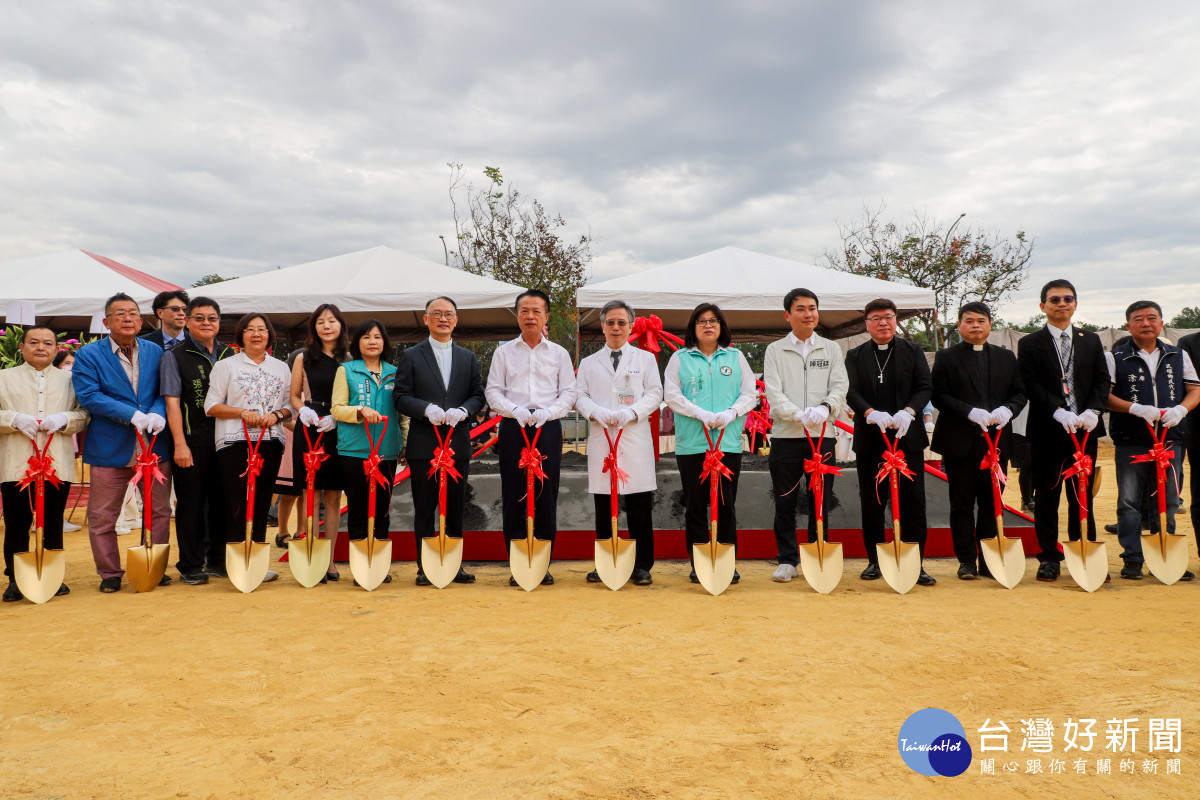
point(884, 318)
point(213, 319)
point(616, 323)
point(1065, 299)
point(440, 315)
point(175, 309)
point(125, 314)
point(708, 322)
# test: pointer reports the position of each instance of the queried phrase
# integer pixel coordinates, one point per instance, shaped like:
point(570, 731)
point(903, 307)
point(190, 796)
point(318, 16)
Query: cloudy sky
point(233, 137)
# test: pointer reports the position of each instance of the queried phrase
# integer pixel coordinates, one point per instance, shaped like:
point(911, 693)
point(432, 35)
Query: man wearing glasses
point(172, 313)
point(889, 381)
point(183, 376)
point(116, 380)
point(1065, 379)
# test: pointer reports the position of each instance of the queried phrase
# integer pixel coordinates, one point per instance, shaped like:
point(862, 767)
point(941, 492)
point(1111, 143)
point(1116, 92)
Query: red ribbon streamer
point(991, 462)
point(1161, 457)
point(443, 457)
point(714, 470)
point(650, 332)
point(1080, 471)
point(532, 458)
point(610, 461)
point(41, 465)
point(146, 465)
point(818, 468)
point(254, 462)
point(315, 454)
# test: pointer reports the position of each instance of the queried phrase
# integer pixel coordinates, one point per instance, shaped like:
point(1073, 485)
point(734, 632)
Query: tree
point(959, 265)
point(498, 233)
point(1189, 317)
point(208, 280)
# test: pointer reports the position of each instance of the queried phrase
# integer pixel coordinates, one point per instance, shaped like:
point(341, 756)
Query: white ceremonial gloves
point(308, 417)
point(541, 417)
point(881, 418)
point(453, 416)
point(1065, 418)
point(900, 421)
point(25, 424)
point(523, 415)
point(623, 416)
point(139, 421)
point(1174, 416)
point(603, 416)
point(929, 427)
point(437, 416)
point(816, 415)
point(706, 418)
point(1148, 413)
point(1088, 420)
point(723, 418)
point(980, 417)
point(54, 422)
point(155, 424)
point(326, 423)
point(1000, 416)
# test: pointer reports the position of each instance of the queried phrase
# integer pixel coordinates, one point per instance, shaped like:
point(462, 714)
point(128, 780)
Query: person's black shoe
point(967, 572)
point(463, 576)
point(386, 579)
point(925, 579)
point(871, 573)
point(985, 571)
point(193, 578)
point(110, 585)
point(282, 539)
point(641, 577)
point(548, 580)
point(1132, 571)
point(12, 594)
point(593, 576)
point(1046, 572)
point(512, 581)
point(1111, 528)
point(736, 577)
point(62, 589)
point(333, 576)
point(422, 580)
point(166, 580)
point(693, 577)
point(216, 572)
point(1187, 576)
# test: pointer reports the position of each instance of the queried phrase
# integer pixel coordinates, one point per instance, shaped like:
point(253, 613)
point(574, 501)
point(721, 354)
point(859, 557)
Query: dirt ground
point(574, 691)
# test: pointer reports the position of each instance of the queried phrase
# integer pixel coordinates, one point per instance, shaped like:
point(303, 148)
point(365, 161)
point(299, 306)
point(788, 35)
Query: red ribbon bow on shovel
point(372, 461)
point(532, 458)
point(991, 461)
point(443, 456)
point(894, 463)
point(41, 465)
point(610, 461)
point(146, 464)
point(1080, 470)
point(818, 468)
point(254, 462)
point(315, 455)
point(1162, 457)
point(650, 331)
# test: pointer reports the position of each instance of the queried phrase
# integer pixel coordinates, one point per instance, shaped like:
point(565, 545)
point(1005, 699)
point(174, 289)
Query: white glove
point(326, 423)
point(1000, 416)
point(801, 416)
point(706, 418)
point(140, 421)
point(980, 417)
point(724, 418)
point(600, 416)
point(1174, 416)
point(523, 415)
point(1087, 420)
point(308, 417)
point(454, 416)
point(154, 424)
point(54, 422)
point(880, 418)
point(1065, 418)
point(817, 415)
point(435, 414)
point(900, 421)
point(623, 416)
point(25, 424)
point(1148, 413)
point(929, 427)
point(541, 417)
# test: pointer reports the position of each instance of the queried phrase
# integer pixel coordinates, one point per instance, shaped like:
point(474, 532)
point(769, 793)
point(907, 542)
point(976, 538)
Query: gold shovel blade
point(1097, 475)
point(529, 559)
point(899, 570)
point(309, 565)
point(1005, 558)
point(247, 574)
point(145, 565)
point(370, 562)
point(441, 570)
point(1166, 557)
point(615, 568)
point(714, 571)
point(39, 586)
point(1087, 562)
point(822, 570)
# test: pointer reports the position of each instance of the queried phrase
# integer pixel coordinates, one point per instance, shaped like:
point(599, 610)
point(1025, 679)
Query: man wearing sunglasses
point(1066, 382)
point(172, 313)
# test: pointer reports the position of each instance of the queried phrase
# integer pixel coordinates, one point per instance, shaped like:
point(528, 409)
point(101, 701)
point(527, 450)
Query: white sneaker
point(784, 573)
point(272, 575)
point(69, 526)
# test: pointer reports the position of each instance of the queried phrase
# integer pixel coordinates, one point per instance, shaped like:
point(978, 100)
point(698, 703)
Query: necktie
point(616, 359)
point(1066, 357)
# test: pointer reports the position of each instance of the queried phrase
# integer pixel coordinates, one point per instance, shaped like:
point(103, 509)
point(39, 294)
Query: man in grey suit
point(438, 383)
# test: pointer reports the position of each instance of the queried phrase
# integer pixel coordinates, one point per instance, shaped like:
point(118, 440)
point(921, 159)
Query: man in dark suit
point(171, 310)
point(1190, 344)
point(438, 383)
point(969, 379)
point(1063, 373)
point(889, 385)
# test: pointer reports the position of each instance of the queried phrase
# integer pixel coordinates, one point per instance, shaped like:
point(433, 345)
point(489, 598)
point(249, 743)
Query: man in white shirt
point(531, 384)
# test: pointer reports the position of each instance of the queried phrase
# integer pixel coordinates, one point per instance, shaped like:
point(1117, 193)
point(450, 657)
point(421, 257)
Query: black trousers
point(200, 516)
point(513, 481)
point(1051, 454)
point(972, 507)
point(231, 463)
point(425, 500)
point(358, 498)
point(872, 497)
point(786, 462)
point(696, 495)
point(639, 507)
point(1193, 457)
point(19, 518)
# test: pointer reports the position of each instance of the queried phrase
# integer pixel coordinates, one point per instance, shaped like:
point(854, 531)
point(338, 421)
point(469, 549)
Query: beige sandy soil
point(574, 691)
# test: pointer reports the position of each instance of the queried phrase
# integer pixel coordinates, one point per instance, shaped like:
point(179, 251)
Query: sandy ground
point(574, 691)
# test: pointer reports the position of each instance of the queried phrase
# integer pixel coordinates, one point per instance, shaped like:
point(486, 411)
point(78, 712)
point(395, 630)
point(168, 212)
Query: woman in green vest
point(708, 384)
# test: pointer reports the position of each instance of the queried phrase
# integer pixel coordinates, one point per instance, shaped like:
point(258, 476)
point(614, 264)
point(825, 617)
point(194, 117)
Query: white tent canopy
point(380, 282)
point(749, 288)
point(68, 288)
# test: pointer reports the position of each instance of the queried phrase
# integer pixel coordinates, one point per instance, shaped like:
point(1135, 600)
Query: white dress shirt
point(531, 377)
point(443, 353)
point(802, 347)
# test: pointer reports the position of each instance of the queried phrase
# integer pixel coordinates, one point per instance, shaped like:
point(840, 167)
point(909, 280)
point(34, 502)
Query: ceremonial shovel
point(1004, 555)
point(441, 555)
point(1165, 553)
point(146, 563)
point(899, 562)
point(820, 561)
point(370, 560)
point(1086, 561)
point(615, 556)
point(246, 563)
point(529, 558)
point(308, 556)
point(39, 573)
point(713, 561)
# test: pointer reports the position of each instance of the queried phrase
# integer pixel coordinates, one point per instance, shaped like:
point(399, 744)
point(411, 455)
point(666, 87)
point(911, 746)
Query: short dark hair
point(244, 323)
point(449, 300)
point(532, 293)
point(25, 333)
point(362, 330)
point(62, 356)
point(881, 304)
point(1058, 283)
point(202, 302)
point(723, 339)
point(1138, 305)
point(313, 349)
point(119, 297)
point(162, 298)
point(976, 307)
point(791, 297)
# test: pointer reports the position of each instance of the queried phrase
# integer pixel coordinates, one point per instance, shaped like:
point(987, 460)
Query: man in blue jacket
point(116, 379)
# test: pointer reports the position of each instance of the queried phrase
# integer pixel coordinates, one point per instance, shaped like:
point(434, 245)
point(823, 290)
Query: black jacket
point(955, 393)
point(1041, 377)
point(1190, 344)
point(913, 388)
point(419, 384)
